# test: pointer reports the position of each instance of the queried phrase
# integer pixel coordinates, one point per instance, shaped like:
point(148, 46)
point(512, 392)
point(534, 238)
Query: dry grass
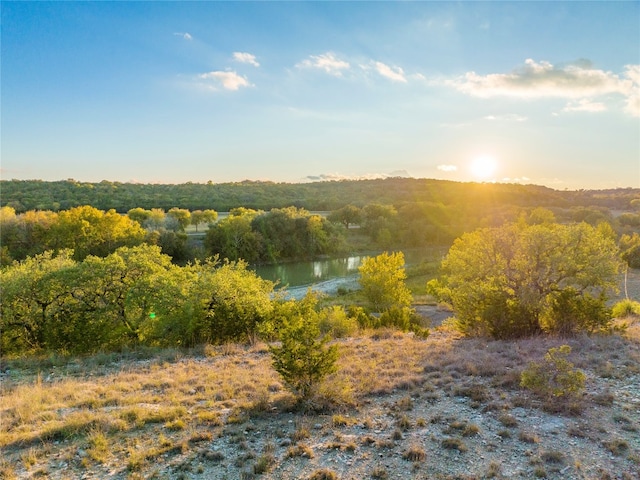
point(133, 413)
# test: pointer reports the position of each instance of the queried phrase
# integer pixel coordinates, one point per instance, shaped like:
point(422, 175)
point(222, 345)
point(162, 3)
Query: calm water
point(327, 275)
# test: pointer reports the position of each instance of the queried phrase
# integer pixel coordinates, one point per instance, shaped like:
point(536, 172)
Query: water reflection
point(328, 275)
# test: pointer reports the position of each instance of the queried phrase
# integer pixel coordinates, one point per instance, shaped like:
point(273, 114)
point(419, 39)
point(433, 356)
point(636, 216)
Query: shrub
point(303, 359)
point(626, 308)
point(361, 316)
point(335, 322)
point(555, 376)
point(403, 318)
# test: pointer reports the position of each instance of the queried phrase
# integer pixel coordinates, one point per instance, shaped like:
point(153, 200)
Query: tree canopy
point(519, 279)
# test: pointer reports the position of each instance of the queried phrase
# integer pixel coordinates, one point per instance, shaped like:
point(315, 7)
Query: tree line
point(24, 195)
point(289, 233)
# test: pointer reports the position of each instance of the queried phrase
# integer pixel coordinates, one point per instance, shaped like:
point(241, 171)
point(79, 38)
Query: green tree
point(229, 302)
point(27, 233)
point(181, 217)
point(139, 215)
point(233, 237)
point(519, 280)
point(379, 221)
point(383, 281)
point(89, 231)
point(32, 292)
point(630, 249)
point(203, 216)
point(113, 297)
point(540, 215)
point(347, 215)
point(155, 220)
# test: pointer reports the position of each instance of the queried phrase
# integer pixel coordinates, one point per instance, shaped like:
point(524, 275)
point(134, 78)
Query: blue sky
point(545, 93)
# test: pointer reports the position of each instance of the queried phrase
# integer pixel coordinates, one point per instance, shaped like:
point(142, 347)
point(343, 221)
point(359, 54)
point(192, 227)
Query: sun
point(483, 167)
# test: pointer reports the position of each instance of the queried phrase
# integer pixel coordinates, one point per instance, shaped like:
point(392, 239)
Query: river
point(328, 275)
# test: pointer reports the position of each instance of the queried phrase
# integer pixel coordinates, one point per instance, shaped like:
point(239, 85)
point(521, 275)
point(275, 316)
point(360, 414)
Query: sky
point(544, 93)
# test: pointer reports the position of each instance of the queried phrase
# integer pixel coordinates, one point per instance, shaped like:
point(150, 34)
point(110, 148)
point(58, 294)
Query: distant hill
point(26, 195)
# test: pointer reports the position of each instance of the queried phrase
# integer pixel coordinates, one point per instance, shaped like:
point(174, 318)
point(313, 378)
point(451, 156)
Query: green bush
point(360, 315)
point(554, 377)
point(335, 322)
point(405, 319)
point(303, 359)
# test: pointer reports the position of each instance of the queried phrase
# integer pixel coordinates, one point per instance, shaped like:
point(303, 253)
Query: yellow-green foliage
point(626, 308)
point(555, 376)
point(335, 322)
point(383, 281)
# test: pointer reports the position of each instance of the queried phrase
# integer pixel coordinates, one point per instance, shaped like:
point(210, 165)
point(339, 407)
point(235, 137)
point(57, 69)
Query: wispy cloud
point(185, 35)
point(328, 62)
point(447, 168)
point(367, 176)
point(395, 74)
point(229, 80)
point(584, 105)
point(509, 117)
point(522, 180)
point(244, 57)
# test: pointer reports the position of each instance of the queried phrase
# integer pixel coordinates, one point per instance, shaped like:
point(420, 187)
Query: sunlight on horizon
point(483, 167)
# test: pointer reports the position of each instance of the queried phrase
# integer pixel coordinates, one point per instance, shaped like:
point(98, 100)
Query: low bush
point(626, 308)
point(335, 322)
point(303, 359)
point(555, 376)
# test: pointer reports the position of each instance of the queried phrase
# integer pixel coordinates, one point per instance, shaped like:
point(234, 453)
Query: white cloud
point(455, 125)
point(523, 180)
point(244, 57)
point(509, 117)
point(575, 81)
point(584, 105)
point(542, 79)
point(632, 72)
point(395, 74)
point(229, 80)
point(185, 35)
point(447, 168)
point(327, 62)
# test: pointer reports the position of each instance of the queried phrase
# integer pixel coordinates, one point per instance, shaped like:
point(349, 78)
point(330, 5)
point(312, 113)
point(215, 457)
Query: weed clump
point(415, 453)
point(324, 474)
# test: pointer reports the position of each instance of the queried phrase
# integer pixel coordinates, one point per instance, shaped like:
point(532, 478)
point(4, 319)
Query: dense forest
point(25, 195)
point(270, 222)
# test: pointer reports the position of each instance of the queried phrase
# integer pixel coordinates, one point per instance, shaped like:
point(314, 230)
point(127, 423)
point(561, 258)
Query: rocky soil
point(458, 412)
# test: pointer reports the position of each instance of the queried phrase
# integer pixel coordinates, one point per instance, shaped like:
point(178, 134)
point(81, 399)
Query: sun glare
point(483, 167)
